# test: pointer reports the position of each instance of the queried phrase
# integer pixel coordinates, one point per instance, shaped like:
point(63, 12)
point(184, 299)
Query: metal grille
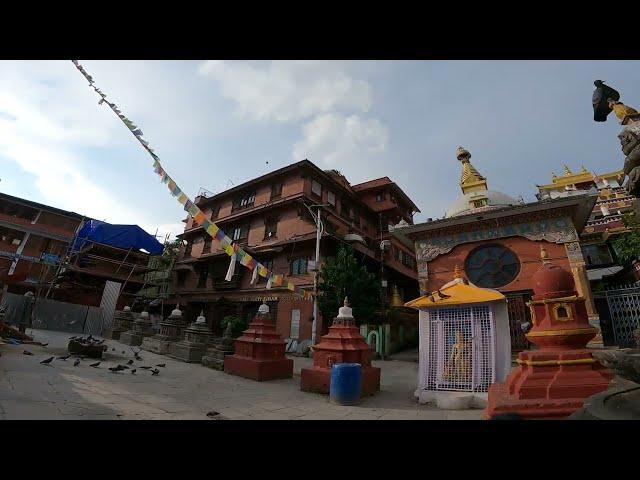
point(110, 296)
point(461, 350)
point(518, 314)
point(624, 310)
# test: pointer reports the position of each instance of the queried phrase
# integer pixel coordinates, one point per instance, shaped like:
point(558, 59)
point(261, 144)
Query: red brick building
point(269, 217)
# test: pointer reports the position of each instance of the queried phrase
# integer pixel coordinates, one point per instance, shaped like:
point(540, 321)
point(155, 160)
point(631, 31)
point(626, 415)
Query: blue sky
point(215, 124)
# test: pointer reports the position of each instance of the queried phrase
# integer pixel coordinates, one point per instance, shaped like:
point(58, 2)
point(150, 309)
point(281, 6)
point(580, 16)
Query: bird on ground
point(44, 344)
point(155, 371)
point(123, 352)
point(130, 362)
point(600, 100)
point(133, 372)
point(114, 369)
point(64, 357)
point(213, 413)
point(123, 367)
point(161, 365)
point(47, 361)
point(95, 365)
point(146, 368)
point(77, 362)
point(113, 349)
point(27, 352)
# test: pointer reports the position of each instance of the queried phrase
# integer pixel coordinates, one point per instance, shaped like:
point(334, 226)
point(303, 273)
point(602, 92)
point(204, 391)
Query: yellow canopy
point(455, 293)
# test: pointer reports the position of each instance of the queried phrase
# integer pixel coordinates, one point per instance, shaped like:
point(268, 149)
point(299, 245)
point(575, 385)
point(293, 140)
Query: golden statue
point(621, 110)
point(458, 368)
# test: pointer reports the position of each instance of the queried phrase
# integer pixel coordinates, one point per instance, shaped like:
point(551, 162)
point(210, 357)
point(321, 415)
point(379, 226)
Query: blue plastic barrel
point(346, 383)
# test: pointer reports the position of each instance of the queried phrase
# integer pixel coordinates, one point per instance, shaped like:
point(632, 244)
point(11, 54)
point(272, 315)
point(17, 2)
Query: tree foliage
point(343, 276)
point(238, 325)
point(627, 245)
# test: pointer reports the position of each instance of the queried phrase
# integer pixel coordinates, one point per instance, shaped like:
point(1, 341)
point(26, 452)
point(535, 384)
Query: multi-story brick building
point(270, 218)
point(33, 236)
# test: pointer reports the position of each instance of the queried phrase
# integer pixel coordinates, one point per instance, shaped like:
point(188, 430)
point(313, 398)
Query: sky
point(216, 124)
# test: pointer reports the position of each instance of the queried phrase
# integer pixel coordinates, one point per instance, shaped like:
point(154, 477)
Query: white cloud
point(288, 90)
point(333, 140)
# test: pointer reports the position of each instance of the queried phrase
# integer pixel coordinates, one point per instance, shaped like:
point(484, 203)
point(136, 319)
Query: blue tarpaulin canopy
point(120, 236)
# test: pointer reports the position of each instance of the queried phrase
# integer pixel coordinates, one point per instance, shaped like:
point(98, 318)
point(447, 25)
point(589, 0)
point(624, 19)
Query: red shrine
point(260, 351)
point(343, 344)
point(554, 380)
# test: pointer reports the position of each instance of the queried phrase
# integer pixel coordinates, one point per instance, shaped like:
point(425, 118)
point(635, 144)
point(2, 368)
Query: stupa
point(343, 344)
point(219, 348)
point(193, 346)
point(554, 380)
point(260, 351)
point(171, 330)
point(122, 321)
point(141, 328)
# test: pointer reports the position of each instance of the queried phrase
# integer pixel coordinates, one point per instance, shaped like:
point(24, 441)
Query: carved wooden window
point(492, 266)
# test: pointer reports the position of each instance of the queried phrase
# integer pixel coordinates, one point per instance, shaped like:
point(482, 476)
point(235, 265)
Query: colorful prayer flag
point(213, 230)
point(229, 250)
point(182, 198)
point(291, 286)
point(199, 217)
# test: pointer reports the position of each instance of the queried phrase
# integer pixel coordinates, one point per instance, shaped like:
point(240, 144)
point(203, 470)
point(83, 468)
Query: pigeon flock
point(115, 369)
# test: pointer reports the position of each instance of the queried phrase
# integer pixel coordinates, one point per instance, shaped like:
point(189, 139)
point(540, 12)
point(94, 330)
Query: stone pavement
point(184, 391)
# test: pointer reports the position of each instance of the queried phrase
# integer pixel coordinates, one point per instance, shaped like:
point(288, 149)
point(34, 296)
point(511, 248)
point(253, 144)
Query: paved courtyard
point(184, 391)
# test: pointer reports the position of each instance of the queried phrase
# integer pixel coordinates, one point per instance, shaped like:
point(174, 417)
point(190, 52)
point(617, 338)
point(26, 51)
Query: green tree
point(343, 276)
point(238, 325)
point(627, 245)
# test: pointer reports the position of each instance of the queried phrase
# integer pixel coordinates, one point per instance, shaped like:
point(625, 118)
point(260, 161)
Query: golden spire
point(470, 180)
point(457, 273)
point(567, 171)
point(583, 170)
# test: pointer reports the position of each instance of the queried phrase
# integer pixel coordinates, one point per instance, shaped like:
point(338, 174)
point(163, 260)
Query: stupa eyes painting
point(492, 266)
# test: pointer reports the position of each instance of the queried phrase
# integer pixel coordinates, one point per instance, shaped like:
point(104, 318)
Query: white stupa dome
point(467, 203)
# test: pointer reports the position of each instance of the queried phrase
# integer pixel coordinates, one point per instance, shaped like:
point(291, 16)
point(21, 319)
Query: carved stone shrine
point(141, 328)
point(193, 346)
point(260, 351)
point(553, 381)
point(122, 321)
point(219, 348)
point(170, 332)
point(343, 344)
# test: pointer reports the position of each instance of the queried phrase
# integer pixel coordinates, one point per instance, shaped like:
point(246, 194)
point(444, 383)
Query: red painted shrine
point(343, 344)
point(260, 351)
point(554, 380)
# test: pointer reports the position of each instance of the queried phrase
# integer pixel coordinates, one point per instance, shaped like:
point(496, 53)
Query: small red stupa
point(260, 351)
point(554, 380)
point(343, 344)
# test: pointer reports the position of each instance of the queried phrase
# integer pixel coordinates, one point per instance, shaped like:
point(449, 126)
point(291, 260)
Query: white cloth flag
point(232, 267)
point(269, 282)
point(254, 277)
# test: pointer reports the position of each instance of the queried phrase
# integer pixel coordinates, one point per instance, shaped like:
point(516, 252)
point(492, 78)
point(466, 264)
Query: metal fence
point(622, 316)
point(54, 315)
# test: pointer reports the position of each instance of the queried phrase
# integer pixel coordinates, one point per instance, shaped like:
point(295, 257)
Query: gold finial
point(567, 171)
point(583, 170)
point(463, 154)
point(457, 273)
point(544, 256)
point(470, 180)
point(553, 174)
point(621, 110)
point(346, 302)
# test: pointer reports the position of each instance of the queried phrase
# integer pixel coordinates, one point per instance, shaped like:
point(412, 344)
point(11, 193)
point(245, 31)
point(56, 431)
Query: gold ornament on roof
point(621, 110)
point(471, 180)
point(567, 170)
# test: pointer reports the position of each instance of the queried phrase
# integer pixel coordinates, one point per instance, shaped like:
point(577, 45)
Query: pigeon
point(47, 361)
point(123, 367)
point(113, 349)
point(77, 362)
point(27, 352)
point(130, 362)
point(44, 344)
point(133, 372)
point(123, 352)
point(213, 413)
point(601, 96)
point(64, 357)
point(161, 365)
point(114, 369)
point(146, 368)
point(155, 371)
point(95, 365)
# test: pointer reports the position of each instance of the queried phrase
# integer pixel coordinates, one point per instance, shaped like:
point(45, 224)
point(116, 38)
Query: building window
point(245, 201)
point(479, 203)
point(299, 266)
point(182, 278)
point(187, 249)
point(492, 266)
point(271, 227)
point(240, 233)
point(203, 273)
point(331, 198)
point(276, 191)
point(316, 188)
point(207, 243)
point(597, 255)
point(380, 197)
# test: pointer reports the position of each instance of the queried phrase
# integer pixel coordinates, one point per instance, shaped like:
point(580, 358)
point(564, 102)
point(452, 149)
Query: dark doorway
point(518, 314)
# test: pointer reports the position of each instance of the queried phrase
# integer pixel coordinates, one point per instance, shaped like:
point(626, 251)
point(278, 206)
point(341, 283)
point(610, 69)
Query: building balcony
point(47, 231)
